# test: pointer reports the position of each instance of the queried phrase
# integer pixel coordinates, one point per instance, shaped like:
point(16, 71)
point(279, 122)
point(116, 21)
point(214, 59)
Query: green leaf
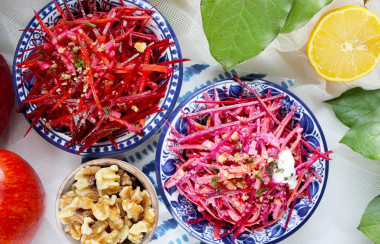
point(370, 223)
point(364, 139)
point(357, 106)
point(302, 11)
point(239, 30)
point(359, 109)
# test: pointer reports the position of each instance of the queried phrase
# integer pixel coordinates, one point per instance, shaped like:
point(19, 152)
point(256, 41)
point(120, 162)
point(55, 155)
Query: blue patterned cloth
point(195, 77)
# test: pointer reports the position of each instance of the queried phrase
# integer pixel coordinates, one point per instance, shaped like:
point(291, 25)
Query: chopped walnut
point(133, 210)
point(115, 220)
point(106, 206)
point(126, 193)
point(140, 46)
point(107, 181)
point(79, 216)
point(146, 200)
point(66, 199)
point(112, 237)
point(150, 217)
point(127, 222)
point(125, 180)
point(123, 233)
point(101, 209)
point(136, 196)
point(84, 179)
point(96, 231)
point(136, 232)
point(74, 230)
point(78, 203)
point(85, 228)
point(100, 238)
point(93, 194)
point(119, 203)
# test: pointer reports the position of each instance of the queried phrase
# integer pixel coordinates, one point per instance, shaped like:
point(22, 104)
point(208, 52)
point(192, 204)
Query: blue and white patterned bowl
point(182, 209)
point(158, 25)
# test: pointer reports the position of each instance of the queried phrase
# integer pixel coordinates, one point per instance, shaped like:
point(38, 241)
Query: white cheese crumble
point(286, 172)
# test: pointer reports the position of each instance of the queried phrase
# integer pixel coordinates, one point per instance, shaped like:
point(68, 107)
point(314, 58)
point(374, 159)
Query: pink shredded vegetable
point(228, 159)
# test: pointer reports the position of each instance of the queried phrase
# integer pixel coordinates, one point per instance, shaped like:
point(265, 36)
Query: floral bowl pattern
point(182, 209)
point(126, 141)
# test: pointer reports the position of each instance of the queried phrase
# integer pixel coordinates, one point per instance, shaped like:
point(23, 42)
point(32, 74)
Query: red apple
point(22, 200)
point(7, 97)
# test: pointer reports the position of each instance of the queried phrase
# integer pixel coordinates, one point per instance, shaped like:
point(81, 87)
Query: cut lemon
point(345, 44)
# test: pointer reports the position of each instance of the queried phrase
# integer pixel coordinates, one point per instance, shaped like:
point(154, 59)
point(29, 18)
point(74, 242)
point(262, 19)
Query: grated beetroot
point(96, 74)
point(228, 159)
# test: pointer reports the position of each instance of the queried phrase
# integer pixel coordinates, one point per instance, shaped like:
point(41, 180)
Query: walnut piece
point(106, 206)
point(126, 193)
point(84, 179)
point(101, 209)
point(114, 219)
point(125, 180)
point(85, 228)
point(78, 203)
point(150, 217)
point(136, 196)
point(137, 231)
point(133, 210)
point(107, 181)
point(74, 230)
point(146, 200)
point(66, 199)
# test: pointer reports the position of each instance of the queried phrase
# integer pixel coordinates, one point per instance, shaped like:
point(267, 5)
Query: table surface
point(353, 180)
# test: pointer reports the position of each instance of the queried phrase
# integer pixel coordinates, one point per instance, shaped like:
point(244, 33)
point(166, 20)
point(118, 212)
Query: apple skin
point(22, 200)
point(7, 97)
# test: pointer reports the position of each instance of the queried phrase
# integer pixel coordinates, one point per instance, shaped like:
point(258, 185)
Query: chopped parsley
point(215, 182)
point(250, 160)
point(89, 24)
point(260, 191)
point(79, 62)
point(214, 170)
point(237, 145)
point(106, 110)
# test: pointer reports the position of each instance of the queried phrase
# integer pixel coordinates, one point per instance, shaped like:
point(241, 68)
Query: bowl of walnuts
point(106, 201)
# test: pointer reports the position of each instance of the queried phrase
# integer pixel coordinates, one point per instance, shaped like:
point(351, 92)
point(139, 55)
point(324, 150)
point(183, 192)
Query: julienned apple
point(22, 200)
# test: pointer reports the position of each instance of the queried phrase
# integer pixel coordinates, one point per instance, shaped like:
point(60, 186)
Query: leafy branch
point(239, 30)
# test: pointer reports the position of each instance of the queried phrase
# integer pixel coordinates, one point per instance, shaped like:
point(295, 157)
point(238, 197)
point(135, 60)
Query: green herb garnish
point(89, 24)
point(258, 178)
point(79, 62)
point(106, 110)
point(260, 191)
point(215, 182)
point(270, 168)
point(250, 160)
point(110, 130)
point(215, 170)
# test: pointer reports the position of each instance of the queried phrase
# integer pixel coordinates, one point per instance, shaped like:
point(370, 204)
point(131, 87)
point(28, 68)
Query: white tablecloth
point(353, 180)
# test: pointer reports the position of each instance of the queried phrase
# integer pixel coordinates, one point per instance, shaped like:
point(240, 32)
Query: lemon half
point(345, 44)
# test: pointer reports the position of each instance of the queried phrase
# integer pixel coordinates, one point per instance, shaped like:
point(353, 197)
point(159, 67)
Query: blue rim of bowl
point(111, 152)
point(187, 100)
